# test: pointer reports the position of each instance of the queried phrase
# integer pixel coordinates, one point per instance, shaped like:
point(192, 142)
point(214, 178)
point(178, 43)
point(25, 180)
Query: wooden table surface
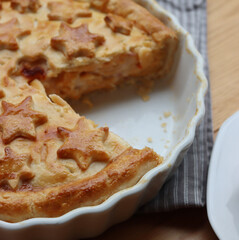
point(223, 44)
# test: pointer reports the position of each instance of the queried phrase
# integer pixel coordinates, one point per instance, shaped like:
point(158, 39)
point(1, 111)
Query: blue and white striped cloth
point(187, 188)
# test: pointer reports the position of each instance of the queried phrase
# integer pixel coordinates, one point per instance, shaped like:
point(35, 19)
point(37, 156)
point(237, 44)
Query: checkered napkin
point(187, 187)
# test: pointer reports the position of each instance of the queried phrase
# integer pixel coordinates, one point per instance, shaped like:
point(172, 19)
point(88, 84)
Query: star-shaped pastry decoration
point(84, 144)
point(14, 167)
point(23, 6)
point(76, 42)
point(20, 120)
point(67, 11)
point(9, 31)
point(118, 24)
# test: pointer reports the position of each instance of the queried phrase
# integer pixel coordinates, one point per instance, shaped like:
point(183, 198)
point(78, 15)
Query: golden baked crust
point(51, 159)
point(78, 46)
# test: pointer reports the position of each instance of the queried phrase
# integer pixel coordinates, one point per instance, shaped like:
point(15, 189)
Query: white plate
point(136, 121)
point(223, 182)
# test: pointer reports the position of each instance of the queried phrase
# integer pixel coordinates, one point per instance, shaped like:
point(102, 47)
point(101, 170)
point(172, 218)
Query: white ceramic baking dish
point(166, 123)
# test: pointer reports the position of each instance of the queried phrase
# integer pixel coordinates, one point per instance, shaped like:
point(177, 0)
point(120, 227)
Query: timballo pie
point(51, 159)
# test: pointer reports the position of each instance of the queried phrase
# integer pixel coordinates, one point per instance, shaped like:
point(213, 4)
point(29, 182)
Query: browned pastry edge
point(134, 12)
point(148, 23)
point(125, 171)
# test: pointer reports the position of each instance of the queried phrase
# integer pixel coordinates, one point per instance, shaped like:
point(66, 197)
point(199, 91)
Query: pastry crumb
point(149, 139)
point(160, 118)
point(144, 89)
point(145, 98)
point(88, 102)
point(143, 94)
point(164, 125)
point(167, 114)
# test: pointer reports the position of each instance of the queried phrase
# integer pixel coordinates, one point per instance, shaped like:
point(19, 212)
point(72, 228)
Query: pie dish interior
point(52, 160)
